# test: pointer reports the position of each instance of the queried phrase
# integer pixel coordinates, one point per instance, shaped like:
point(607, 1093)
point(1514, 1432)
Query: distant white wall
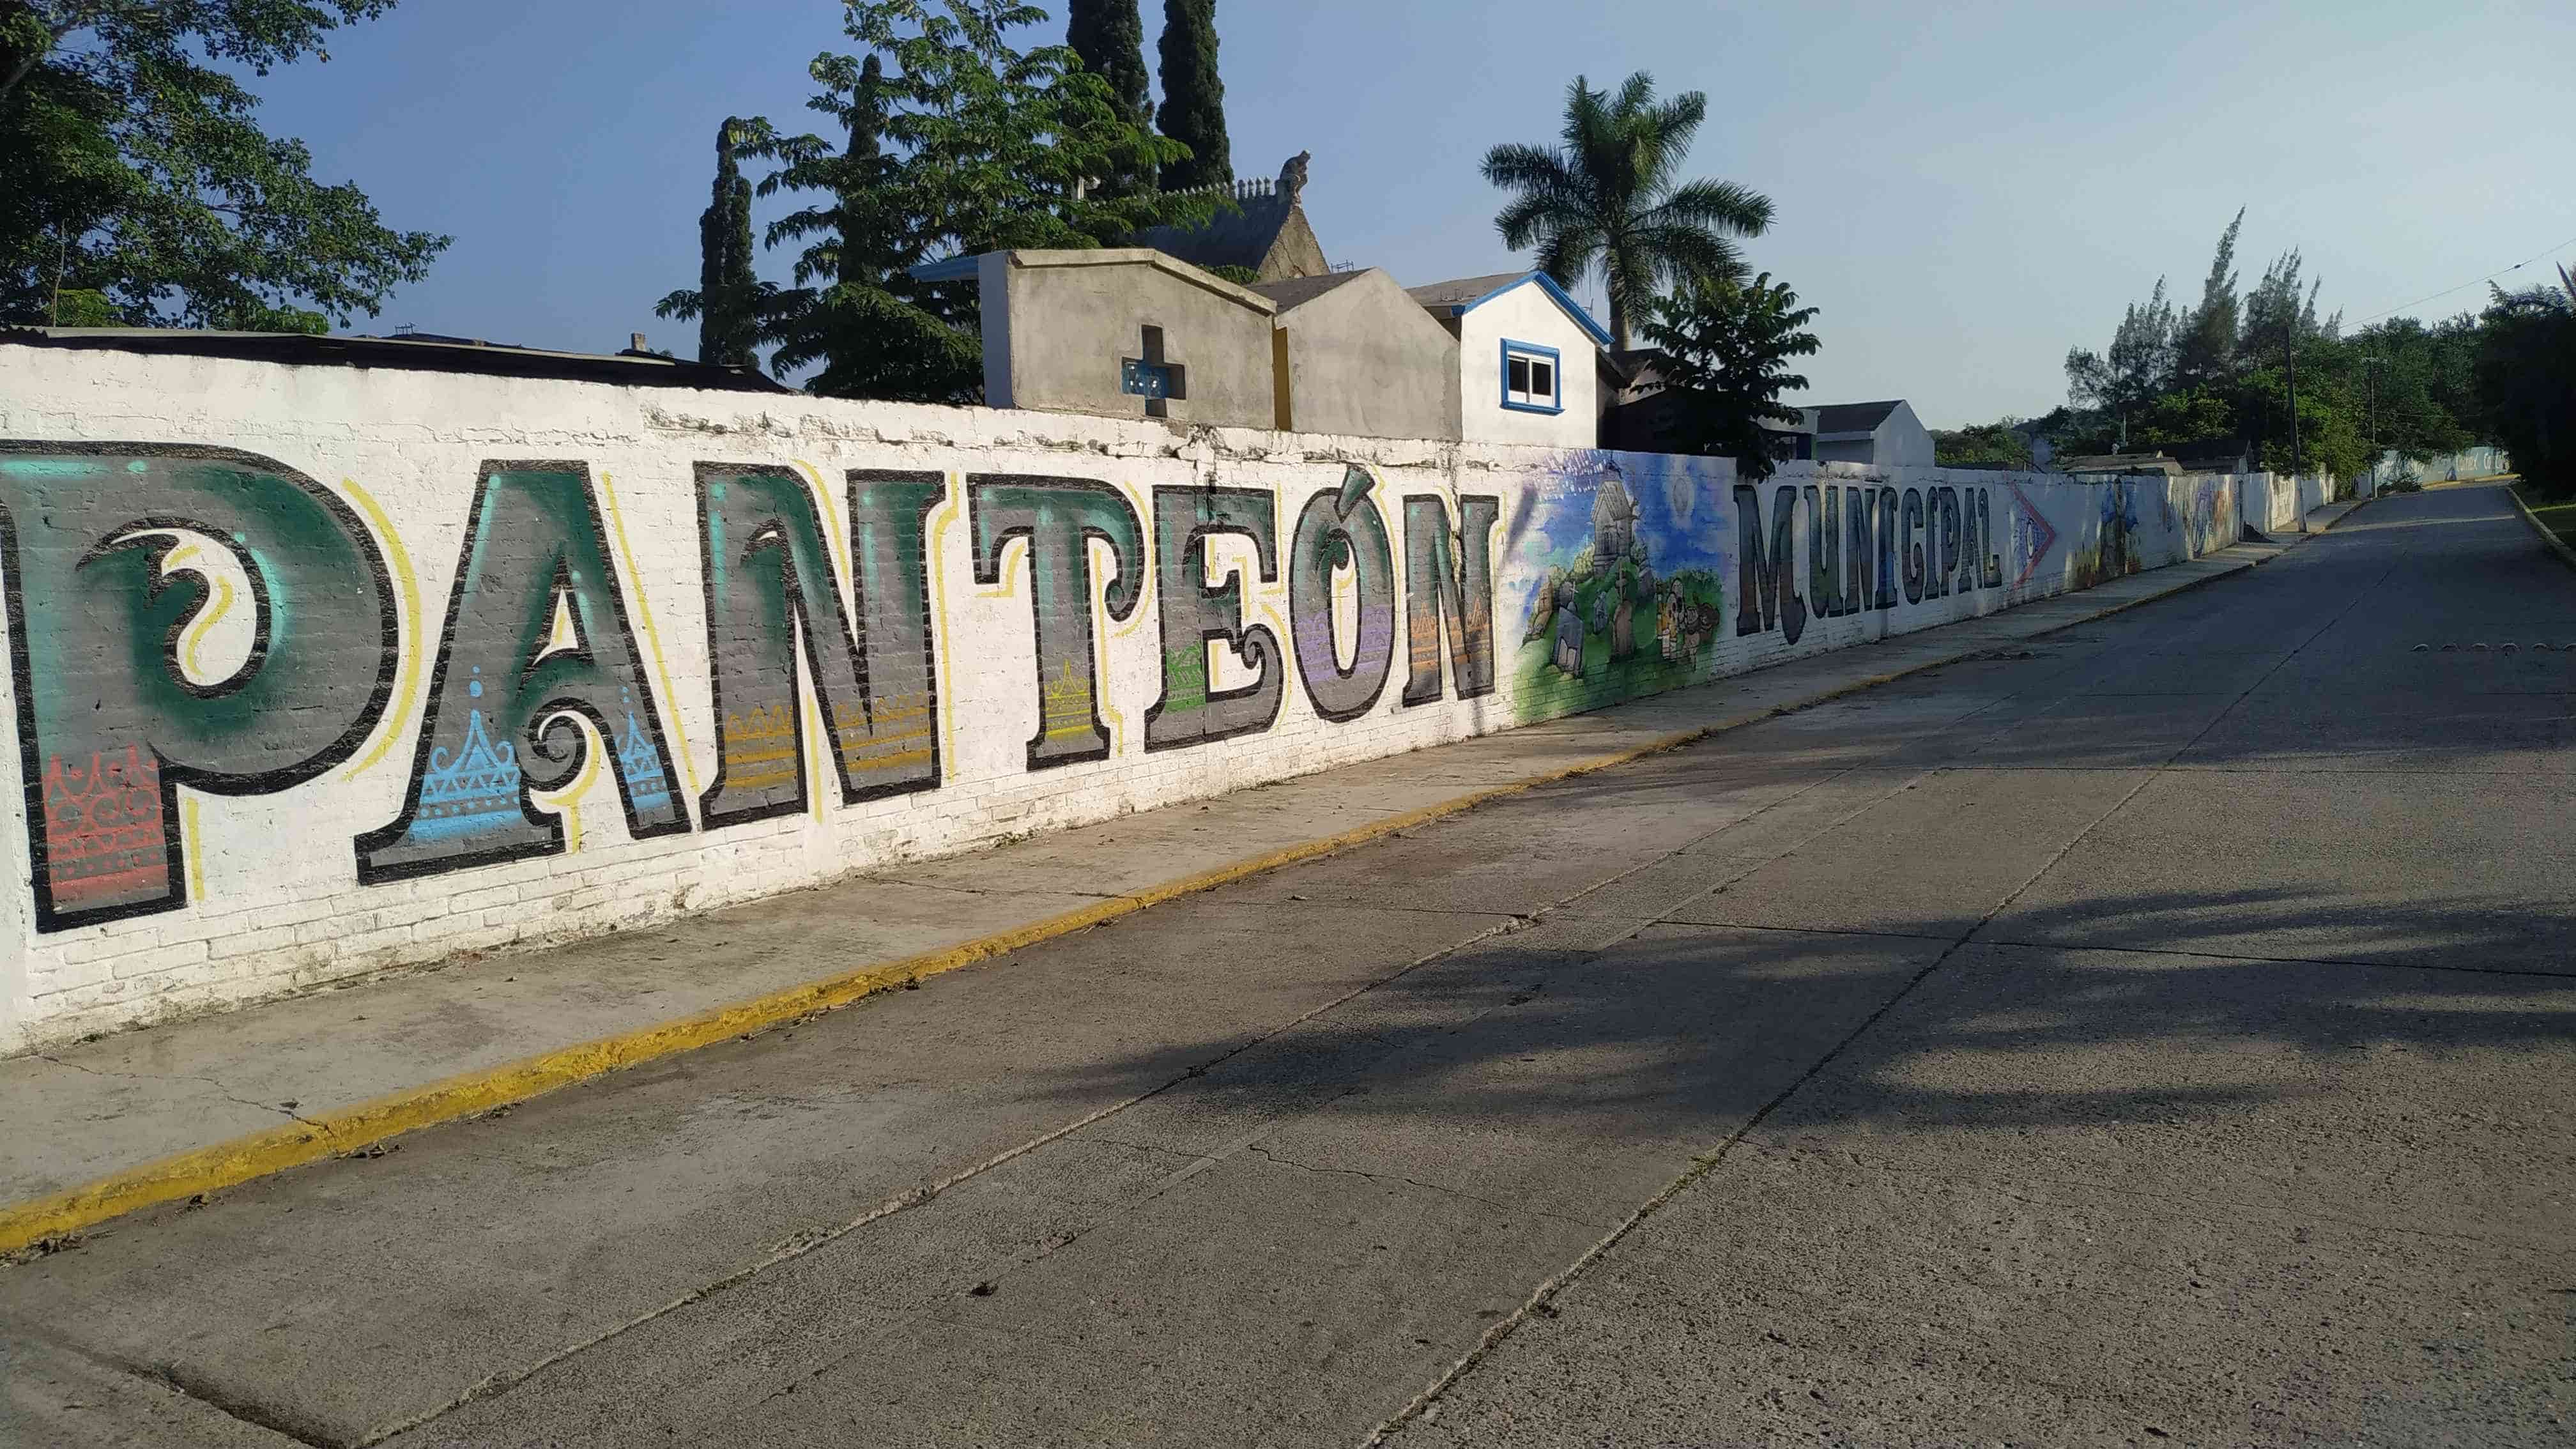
point(2441, 468)
point(407, 664)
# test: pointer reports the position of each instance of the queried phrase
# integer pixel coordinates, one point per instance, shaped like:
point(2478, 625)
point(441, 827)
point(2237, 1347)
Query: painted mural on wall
point(1624, 582)
point(758, 649)
point(1618, 574)
point(2111, 552)
point(539, 685)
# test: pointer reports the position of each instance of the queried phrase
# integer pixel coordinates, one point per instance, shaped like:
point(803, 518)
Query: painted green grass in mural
point(1672, 624)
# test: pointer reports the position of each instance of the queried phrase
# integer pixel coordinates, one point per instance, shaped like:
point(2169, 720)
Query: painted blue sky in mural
point(1683, 520)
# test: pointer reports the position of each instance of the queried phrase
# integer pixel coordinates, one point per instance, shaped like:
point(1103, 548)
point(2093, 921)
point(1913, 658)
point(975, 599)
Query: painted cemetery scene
point(1627, 589)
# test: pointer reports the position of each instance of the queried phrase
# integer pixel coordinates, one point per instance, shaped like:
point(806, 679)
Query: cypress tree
point(1193, 96)
point(1110, 38)
point(863, 256)
point(726, 327)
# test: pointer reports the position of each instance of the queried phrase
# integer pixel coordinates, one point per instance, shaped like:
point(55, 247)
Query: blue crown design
point(473, 791)
point(641, 766)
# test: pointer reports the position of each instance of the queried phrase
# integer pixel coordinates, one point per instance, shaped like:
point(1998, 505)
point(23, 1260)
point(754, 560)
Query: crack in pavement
point(2339, 961)
point(186, 1386)
point(966, 890)
point(221, 1090)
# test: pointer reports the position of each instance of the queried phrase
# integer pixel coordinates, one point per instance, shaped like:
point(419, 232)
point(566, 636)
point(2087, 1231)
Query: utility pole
point(62, 261)
point(2298, 464)
point(2376, 451)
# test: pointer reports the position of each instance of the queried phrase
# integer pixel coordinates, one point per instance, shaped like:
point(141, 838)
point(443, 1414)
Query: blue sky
point(1965, 189)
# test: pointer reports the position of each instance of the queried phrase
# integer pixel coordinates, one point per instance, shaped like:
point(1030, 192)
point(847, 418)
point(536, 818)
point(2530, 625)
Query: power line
point(2464, 286)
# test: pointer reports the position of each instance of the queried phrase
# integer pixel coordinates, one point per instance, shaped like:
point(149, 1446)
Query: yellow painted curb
point(2548, 540)
point(350, 1129)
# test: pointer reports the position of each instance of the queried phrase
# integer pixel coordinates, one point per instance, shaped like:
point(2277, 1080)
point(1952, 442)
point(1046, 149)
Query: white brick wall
point(272, 900)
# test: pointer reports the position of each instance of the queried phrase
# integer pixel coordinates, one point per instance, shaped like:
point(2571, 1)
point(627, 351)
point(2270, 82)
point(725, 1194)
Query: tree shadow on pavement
point(1683, 1032)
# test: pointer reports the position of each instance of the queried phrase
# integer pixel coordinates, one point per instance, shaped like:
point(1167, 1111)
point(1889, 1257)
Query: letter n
point(773, 595)
point(1457, 594)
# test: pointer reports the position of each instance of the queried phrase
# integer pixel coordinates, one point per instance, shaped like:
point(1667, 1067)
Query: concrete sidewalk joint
point(40, 1223)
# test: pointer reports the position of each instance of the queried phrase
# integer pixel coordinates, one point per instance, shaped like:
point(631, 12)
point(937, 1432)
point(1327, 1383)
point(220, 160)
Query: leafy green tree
point(1608, 197)
point(1727, 346)
point(2000, 444)
point(954, 141)
point(2526, 381)
point(137, 188)
point(1193, 111)
point(727, 302)
point(2333, 435)
point(2406, 368)
point(2225, 369)
point(2122, 382)
point(854, 309)
point(2451, 374)
point(2184, 415)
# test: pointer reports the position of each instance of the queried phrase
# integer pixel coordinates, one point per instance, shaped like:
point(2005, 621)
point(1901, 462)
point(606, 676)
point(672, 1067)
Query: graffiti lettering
point(1824, 551)
point(538, 678)
point(121, 561)
point(1341, 530)
point(1767, 586)
point(1860, 551)
point(1950, 555)
point(1912, 530)
point(773, 594)
point(194, 622)
point(1196, 615)
point(1060, 517)
point(1455, 596)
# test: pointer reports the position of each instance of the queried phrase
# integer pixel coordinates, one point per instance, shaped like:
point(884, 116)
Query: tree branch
point(54, 33)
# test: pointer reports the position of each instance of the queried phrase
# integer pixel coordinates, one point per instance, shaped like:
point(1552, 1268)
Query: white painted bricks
point(266, 895)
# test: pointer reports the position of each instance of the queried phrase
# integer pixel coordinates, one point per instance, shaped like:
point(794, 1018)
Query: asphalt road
point(2161, 1035)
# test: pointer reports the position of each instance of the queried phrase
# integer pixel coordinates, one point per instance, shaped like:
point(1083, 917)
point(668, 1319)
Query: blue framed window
point(1533, 378)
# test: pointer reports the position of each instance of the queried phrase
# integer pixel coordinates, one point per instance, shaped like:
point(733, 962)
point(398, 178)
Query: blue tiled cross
point(1152, 377)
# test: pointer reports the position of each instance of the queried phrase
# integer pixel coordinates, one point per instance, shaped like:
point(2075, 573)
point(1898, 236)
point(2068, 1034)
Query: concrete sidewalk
point(162, 1114)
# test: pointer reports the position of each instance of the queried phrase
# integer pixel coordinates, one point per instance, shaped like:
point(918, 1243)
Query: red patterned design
point(105, 840)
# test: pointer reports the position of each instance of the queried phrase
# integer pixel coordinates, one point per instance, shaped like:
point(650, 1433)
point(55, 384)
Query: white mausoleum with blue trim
point(1529, 359)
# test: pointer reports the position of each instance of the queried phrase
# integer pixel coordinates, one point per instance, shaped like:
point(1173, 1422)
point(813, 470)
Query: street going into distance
point(2161, 1031)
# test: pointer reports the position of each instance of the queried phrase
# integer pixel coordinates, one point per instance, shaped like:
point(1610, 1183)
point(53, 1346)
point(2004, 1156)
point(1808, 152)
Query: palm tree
point(1607, 197)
